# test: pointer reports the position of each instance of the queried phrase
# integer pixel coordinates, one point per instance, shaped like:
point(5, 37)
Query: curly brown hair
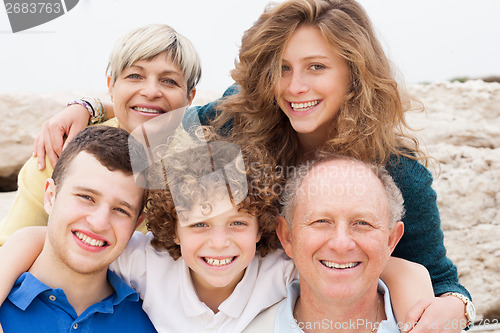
point(192, 175)
point(370, 125)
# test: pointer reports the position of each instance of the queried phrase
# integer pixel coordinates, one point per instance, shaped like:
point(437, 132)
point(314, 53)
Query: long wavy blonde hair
point(370, 125)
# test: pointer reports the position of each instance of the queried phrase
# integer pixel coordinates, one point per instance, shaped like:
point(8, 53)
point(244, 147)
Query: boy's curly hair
point(193, 174)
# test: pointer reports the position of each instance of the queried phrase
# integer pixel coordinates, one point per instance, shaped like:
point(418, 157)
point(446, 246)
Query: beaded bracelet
point(94, 106)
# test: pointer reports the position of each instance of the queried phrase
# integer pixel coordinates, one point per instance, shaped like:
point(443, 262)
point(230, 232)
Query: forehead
point(311, 36)
point(341, 183)
point(160, 62)
point(86, 171)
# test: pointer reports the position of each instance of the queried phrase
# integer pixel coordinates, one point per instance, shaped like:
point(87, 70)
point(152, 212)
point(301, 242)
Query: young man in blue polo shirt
point(94, 205)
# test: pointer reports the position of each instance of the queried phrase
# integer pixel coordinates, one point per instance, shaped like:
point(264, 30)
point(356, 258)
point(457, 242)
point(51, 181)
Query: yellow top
point(27, 209)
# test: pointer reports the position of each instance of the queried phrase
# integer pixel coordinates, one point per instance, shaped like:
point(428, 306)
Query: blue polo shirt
point(34, 307)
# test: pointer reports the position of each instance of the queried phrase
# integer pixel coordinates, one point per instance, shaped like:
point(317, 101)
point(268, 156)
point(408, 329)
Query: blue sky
point(428, 40)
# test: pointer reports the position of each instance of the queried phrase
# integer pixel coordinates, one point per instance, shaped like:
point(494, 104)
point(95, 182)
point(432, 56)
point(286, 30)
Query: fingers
point(414, 315)
point(54, 141)
point(73, 131)
point(50, 141)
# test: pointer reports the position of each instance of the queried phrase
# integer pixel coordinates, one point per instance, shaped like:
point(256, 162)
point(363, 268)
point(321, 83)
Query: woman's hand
point(66, 124)
point(444, 314)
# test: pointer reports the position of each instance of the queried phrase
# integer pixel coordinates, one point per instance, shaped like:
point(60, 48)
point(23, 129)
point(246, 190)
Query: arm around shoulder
point(17, 255)
point(27, 208)
point(408, 283)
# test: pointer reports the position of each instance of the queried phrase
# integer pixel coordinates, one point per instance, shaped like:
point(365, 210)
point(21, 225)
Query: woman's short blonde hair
point(146, 42)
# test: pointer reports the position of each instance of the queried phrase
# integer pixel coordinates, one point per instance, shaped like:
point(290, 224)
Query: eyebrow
point(162, 73)
point(91, 190)
point(315, 56)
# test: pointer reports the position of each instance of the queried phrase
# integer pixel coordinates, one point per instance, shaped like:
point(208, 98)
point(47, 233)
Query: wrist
point(94, 107)
point(469, 308)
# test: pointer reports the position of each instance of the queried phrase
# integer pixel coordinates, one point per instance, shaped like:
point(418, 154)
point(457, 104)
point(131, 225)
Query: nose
point(297, 83)
point(341, 239)
point(99, 218)
point(219, 237)
point(151, 89)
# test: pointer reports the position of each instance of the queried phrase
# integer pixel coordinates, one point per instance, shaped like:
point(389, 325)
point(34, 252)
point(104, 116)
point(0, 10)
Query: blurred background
point(428, 40)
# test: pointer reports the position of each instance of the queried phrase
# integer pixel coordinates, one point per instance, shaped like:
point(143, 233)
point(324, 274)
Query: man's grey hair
point(294, 181)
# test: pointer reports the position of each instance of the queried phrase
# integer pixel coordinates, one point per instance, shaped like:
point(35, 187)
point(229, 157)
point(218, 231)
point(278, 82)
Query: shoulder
point(31, 174)
point(264, 321)
point(129, 315)
point(277, 263)
point(204, 114)
point(113, 122)
point(408, 173)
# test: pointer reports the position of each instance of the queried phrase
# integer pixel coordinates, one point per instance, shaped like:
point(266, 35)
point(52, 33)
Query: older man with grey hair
point(341, 221)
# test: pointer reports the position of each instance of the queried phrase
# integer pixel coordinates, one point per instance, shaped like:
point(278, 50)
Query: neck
point(360, 316)
point(213, 296)
point(310, 142)
point(81, 289)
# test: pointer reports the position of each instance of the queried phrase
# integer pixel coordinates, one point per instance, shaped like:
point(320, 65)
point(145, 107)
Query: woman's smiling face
point(314, 82)
point(147, 89)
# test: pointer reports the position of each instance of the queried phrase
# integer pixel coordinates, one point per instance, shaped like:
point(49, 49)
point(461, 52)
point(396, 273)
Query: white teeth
point(145, 110)
point(331, 264)
point(218, 262)
point(89, 241)
point(304, 106)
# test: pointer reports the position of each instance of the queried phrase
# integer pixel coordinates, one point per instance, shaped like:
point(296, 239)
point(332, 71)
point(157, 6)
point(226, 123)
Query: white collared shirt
point(285, 322)
point(279, 318)
point(170, 299)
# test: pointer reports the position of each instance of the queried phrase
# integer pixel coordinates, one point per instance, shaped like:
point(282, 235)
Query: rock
point(461, 130)
point(23, 117)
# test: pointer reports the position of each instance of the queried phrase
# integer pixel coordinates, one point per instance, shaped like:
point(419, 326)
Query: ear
point(176, 236)
point(140, 219)
point(396, 234)
point(111, 85)
point(259, 235)
point(176, 240)
point(285, 235)
point(190, 96)
point(49, 195)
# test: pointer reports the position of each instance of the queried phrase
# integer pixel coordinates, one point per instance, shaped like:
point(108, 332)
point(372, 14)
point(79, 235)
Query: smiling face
point(218, 249)
point(314, 82)
point(340, 240)
point(147, 89)
point(92, 215)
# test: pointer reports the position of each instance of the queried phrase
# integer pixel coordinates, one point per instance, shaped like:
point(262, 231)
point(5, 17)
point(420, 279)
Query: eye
point(133, 76)
point(238, 223)
point(123, 211)
point(199, 225)
point(170, 81)
point(317, 67)
point(321, 221)
point(363, 223)
point(85, 197)
point(285, 68)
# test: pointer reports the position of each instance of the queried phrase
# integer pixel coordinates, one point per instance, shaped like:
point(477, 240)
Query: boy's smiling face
point(219, 248)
